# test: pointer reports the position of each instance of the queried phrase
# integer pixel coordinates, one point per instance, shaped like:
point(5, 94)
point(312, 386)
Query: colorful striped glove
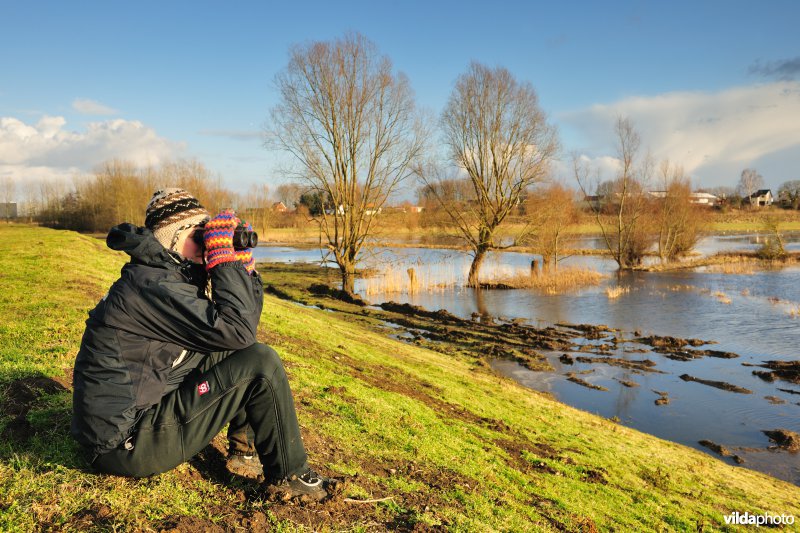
point(246, 255)
point(218, 239)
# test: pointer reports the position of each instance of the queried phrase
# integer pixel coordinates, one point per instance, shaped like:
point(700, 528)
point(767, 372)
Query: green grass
point(449, 442)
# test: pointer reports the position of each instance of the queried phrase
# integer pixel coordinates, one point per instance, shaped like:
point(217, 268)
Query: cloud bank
point(713, 135)
point(47, 150)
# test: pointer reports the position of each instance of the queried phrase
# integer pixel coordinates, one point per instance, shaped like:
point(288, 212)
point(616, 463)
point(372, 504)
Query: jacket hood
point(139, 243)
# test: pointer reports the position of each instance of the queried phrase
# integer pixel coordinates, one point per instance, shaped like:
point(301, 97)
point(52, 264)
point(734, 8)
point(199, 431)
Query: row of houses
point(760, 198)
point(280, 207)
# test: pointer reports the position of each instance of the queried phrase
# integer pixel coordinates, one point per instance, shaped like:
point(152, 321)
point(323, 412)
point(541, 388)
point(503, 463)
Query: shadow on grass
point(35, 412)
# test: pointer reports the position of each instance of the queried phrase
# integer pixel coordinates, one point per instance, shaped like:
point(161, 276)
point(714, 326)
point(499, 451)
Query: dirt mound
point(590, 331)
point(788, 440)
point(663, 398)
point(18, 397)
point(785, 370)
point(415, 310)
point(575, 379)
point(320, 289)
point(670, 343)
point(719, 449)
point(717, 384)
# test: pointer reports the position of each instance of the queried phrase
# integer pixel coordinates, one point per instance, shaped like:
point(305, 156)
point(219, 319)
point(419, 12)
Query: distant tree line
point(118, 191)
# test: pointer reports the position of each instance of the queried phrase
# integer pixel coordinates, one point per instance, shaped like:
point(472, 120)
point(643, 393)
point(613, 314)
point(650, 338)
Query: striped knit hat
point(171, 211)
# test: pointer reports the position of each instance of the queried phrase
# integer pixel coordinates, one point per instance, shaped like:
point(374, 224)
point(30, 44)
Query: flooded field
point(755, 316)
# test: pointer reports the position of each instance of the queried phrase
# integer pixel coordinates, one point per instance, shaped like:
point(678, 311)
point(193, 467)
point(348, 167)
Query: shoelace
point(310, 477)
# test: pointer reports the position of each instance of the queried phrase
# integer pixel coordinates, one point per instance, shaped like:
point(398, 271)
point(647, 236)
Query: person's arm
point(176, 311)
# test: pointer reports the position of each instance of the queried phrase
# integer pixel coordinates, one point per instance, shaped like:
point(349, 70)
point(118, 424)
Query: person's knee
point(263, 359)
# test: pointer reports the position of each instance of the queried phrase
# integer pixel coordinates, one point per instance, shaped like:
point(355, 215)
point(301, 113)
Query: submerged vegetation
point(437, 278)
point(549, 281)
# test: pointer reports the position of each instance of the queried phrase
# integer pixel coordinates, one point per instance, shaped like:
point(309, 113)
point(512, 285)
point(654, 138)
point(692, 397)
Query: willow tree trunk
point(348, 278)
point(475, 268)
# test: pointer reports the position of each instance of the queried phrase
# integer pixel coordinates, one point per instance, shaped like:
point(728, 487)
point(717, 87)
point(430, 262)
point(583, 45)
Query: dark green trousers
point(247, 388)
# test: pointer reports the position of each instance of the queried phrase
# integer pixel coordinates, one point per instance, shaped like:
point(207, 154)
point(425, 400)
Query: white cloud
point(48, 150)
point(92, 107)
point(713, 135)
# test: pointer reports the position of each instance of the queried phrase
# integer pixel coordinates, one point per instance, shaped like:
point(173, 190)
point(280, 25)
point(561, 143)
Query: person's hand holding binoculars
point(218, 239)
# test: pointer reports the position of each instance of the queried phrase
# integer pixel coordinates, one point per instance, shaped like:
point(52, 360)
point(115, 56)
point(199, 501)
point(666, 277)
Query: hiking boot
point(246, 466)
point(309, 485)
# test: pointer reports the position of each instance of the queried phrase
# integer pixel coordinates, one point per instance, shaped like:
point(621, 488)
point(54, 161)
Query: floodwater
point(754, 315)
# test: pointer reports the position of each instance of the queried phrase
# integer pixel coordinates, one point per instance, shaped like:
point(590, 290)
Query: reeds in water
point(722, 297)
point(741, 267)
point(441, 277)
point(550, 281)
point(394, 279)
point(615, 292)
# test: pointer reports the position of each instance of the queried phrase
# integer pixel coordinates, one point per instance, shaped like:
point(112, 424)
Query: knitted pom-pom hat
point(171, 211)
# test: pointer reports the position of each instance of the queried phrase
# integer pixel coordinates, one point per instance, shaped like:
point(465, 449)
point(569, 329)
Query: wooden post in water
point(412, 280)
point(534, 268)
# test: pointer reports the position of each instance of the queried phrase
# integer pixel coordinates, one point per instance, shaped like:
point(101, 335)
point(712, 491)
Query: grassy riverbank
point(438, 438)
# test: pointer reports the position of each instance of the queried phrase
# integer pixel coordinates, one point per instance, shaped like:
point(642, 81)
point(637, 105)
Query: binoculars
point(242, 237)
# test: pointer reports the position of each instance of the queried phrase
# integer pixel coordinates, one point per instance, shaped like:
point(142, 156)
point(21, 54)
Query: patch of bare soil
point(337, 513)
point(95, 518)
point(561, 520)
point(338, 294)
point(590, 331)
point(414, 310)
point(785, 439)
point(721, 450)
point(676, 348)
point(717, 384)
point(670, 343)
point(510, 339)
point(18, 397)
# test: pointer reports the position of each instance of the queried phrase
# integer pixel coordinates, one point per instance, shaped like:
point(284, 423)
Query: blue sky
point(711, 85)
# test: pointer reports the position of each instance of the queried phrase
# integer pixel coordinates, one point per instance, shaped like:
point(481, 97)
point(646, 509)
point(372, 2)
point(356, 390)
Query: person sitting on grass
point(163, 366)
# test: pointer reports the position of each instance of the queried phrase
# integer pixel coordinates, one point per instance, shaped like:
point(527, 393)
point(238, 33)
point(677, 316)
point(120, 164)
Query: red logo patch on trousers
point(203, 388)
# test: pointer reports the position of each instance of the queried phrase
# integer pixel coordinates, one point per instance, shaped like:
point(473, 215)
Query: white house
point(761, 198)
point(703, 198)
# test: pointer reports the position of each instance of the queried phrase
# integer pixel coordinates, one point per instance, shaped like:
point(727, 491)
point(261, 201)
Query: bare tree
point(679, 222)
point(552, 209)
point(8, 189)
point(774, 246)
point(32, 204)
point(626, 231)
point(351, 126)
point(258, 209)
point(789, 193)
point(289, 194)
point(496, 133)
point(750, 182)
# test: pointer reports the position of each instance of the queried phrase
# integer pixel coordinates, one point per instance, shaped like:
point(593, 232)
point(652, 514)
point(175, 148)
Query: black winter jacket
point(152, 313)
